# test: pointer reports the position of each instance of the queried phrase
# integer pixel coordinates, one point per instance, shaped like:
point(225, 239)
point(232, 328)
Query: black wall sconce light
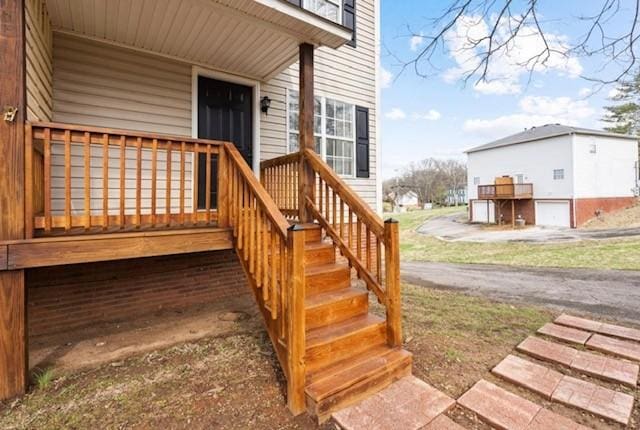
point(265, 104)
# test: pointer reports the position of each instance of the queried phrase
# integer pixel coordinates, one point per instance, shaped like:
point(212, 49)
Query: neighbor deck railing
point(505, 191)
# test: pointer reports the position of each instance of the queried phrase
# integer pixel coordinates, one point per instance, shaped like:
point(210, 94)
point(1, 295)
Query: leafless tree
point(609, 32)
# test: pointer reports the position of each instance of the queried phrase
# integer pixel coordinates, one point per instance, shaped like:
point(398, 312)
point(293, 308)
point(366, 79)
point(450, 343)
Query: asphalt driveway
point(611, 293)
point(450, 228)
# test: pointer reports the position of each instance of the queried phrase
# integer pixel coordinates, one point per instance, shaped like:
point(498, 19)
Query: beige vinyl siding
point(345, 74)
point(39, 67)
point(103, 85)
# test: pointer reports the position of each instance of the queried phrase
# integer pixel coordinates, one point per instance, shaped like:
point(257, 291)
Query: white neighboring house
point(405, 199)
point(561, 175)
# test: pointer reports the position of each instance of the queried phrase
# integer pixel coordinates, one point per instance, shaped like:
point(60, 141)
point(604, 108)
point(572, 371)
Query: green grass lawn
point(595, 254)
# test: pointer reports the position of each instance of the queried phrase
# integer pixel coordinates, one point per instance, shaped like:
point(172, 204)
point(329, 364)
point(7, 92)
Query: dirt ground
point(231, 379)
point(627, 218)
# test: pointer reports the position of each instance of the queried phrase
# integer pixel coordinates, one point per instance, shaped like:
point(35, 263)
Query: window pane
point(340, 156)
point(294, 142)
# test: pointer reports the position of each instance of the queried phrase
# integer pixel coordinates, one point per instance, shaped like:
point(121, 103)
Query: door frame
point(233, 79)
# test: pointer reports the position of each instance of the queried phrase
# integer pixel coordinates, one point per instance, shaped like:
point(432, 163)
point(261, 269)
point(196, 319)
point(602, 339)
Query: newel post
point(307, 139)
point(392, 273)
point(223, 188)
point(296, 320)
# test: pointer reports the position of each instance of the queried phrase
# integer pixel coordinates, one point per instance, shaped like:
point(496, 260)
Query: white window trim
point(323, 122)
point(334, 2)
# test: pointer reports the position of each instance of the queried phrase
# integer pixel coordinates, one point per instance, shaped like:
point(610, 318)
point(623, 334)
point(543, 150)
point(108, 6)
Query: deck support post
point(306, 128)
point(296, 320)
point(513, 214)
point(13, 328)
point(392, 269)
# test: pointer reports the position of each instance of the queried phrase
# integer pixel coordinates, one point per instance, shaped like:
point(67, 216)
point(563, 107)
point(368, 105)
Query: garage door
point(553, 214)
point(480, 212)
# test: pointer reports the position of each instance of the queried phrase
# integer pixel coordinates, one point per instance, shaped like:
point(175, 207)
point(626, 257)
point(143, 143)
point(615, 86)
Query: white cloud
point(416, 42)
point(385, 78)
point(534, 112)
point(431, 115)
point(613, 93)
point(395, 114)
point(511, 64)
point(585, 92)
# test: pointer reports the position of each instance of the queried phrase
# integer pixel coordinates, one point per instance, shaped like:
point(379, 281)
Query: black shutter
point(349, 18)
point(296, 2)
point(362, 142)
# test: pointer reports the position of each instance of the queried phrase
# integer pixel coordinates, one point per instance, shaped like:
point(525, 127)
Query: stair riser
point(337, 311)
point(359, 391)
point(344, 346)
point(313, 235)
point(319, 256)
point(328, 281)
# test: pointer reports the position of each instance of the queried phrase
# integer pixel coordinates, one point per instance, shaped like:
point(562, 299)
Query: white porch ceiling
point(252, 38)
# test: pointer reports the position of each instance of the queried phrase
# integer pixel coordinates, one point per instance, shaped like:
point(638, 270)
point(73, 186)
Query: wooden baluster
point(123, 150)
point(341, 219)
point(350, 229)
point(272, 281)
point(359, 238)
point(236, 200)
point(138, 182)
point(154, 177)
point(392, 272)
point(252, 233)
point(278, 272)
point(378, 261)
point(326, 208)
point(196, 180)
point(265, 253)
point(207, 197)
point(241, 200)
point(258, 244)
point(67, 180)
point(368, 245)
point(296, 326)
point(182, 178)
point(167, 209)
point(105, 181)
point(86, 141)
point(223, 188)
point(271, 285)
point(28, 182)
point(245, 216)
point(47, 180)
point(334, 209)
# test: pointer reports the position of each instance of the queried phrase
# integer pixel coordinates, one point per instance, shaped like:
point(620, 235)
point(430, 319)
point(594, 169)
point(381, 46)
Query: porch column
point(13, 328)
point(306, 100)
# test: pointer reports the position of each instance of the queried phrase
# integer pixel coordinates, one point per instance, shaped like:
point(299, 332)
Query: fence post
point(296, 320)
point(392, 274)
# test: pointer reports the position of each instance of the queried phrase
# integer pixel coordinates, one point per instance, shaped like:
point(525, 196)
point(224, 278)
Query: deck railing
point(505, 191)
point(279, 176)
point(89, 179)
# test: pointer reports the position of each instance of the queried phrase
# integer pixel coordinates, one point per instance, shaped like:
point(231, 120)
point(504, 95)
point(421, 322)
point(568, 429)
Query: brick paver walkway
point(596, 365)
point(409, 404)
point(566, 334)
point(622, 348)
point(566, 389)
point(442, 422)
point(599, 327)
point(507, 411)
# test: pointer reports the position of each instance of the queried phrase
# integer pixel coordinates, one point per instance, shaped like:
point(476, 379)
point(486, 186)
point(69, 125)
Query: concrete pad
point(566, 334)
point(596, 365)
point(529, 375)
point(622, 348)
point(599, 327)
point(442, 422)
point(499, 407)
point(407, 404)
point(546, 420)
point(598, 400)
point(545, 350)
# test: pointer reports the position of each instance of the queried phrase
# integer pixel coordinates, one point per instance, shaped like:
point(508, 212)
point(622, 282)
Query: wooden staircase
point(346, 357)
point(312, 279)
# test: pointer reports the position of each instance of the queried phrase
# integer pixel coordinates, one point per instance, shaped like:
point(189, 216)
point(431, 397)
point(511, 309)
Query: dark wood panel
point(13, 335)
point(3, 257)
point(92, 248)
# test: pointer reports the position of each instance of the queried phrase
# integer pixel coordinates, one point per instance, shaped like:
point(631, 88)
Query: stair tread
point(323, 244)
point(321, 335)
point(323, 298)
point(334, 379)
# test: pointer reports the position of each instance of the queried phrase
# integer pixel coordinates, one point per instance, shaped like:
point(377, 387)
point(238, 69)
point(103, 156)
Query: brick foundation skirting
point(67, 297)
point(586, 208)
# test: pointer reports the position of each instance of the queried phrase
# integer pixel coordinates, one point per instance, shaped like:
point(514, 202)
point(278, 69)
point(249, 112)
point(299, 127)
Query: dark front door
point(225, 112)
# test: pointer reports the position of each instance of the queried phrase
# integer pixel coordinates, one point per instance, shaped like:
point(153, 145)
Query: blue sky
point(439, 117)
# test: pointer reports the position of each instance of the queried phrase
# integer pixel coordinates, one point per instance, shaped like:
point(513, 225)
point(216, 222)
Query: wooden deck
point(505, 191)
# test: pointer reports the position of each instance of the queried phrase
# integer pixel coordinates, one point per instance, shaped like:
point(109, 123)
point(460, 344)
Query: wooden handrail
point(284, 159)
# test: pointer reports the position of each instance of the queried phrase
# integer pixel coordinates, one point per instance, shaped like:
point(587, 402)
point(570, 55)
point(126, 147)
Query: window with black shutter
point(349, 18)
point(362, 142)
